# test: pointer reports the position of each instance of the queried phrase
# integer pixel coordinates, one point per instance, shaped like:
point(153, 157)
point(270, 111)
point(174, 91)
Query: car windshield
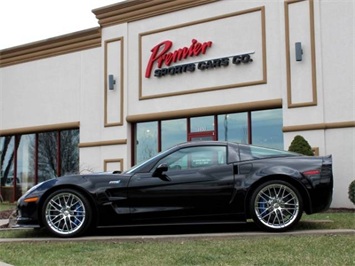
point(254, 152)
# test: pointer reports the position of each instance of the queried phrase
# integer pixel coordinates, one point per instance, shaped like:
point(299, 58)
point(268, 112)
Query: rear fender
point(297, 184)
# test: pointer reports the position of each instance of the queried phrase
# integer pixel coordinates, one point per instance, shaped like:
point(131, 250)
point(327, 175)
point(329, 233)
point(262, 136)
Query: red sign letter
point(155, 56)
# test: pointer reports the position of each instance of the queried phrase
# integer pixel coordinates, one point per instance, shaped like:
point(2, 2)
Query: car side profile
point(195, 182)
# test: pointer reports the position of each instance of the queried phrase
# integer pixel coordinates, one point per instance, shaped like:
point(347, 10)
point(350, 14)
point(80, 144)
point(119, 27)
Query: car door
point(197, 182)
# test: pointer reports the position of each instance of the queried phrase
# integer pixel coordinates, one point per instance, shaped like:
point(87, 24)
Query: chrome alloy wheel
point(65, 213)
point(277, 206)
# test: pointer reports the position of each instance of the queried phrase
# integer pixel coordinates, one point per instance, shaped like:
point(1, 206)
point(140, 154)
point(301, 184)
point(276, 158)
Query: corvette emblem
point(115, 182)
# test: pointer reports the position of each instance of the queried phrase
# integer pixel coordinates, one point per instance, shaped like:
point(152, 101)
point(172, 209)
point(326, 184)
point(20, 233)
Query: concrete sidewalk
point(169, 237)
point(3, 222)
point(4, 264)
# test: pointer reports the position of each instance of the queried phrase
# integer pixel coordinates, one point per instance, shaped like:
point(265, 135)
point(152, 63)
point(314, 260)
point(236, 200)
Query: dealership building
point(155, 73)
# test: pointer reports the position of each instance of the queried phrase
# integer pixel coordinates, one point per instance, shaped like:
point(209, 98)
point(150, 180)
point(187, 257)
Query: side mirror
point(160, 170)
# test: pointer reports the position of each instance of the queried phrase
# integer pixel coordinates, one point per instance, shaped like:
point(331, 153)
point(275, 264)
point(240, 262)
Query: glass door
point(202, 128)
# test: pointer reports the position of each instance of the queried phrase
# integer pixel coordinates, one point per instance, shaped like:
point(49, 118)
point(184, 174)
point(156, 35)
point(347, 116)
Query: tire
point(66, 213)
point(276, 206)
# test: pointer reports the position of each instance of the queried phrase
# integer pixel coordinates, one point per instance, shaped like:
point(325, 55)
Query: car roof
point(202, 143)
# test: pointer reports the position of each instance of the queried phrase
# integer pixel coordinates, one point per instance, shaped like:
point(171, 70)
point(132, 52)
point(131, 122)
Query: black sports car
point(195, 182)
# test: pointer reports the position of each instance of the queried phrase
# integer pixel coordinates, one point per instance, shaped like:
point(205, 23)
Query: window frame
point(189, 135)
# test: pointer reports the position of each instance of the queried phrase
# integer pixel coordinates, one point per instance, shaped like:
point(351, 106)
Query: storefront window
point(173, 132)
point(47, 155)
point(267, 128)
point(26, 162)
point(28, 159)
point(233, 127)
point(262, 128)
point(200, 124)
point(7, 173)
point(147, 141)
point(7, 145)
point(69, 151)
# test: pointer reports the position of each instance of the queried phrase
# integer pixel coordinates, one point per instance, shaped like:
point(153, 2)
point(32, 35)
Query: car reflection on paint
point(206, 182)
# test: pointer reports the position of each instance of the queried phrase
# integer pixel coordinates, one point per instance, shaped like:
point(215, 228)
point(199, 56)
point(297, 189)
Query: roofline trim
point(68, 43)
point(133, 10)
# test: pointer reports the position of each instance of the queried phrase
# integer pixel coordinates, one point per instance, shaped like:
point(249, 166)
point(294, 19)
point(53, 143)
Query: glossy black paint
point(148, 194)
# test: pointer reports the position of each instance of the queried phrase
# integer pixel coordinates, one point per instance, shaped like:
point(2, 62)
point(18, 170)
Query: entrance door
point(202, 136)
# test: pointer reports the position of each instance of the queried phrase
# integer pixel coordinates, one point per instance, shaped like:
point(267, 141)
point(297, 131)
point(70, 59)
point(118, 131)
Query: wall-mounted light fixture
point(299, 51)
point(111, 82)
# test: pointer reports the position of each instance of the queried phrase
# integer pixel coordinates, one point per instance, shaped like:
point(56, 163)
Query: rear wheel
point(276, 206)
point(66, 213)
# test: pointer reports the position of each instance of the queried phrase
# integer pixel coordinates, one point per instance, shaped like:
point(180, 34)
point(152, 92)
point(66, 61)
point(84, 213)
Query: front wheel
point(276, 206)
point(66, 213)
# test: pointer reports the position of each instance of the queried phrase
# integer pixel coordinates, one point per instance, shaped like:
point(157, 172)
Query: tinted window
point(254, 152)
point(195, 157)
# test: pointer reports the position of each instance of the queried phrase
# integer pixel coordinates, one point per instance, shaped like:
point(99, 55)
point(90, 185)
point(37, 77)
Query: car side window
point(248, 152)
point(245, 153)
point(195, 157)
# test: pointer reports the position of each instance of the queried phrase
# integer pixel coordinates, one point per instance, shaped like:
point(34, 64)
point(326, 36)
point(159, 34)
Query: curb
point(181, 236)
point(4, 264)
point(3, 222)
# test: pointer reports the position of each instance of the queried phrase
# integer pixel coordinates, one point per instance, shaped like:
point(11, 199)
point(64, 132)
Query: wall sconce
point(111, 82)
point(299, 51)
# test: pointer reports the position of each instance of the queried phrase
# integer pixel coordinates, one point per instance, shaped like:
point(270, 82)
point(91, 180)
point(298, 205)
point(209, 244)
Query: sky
point(26, 21)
